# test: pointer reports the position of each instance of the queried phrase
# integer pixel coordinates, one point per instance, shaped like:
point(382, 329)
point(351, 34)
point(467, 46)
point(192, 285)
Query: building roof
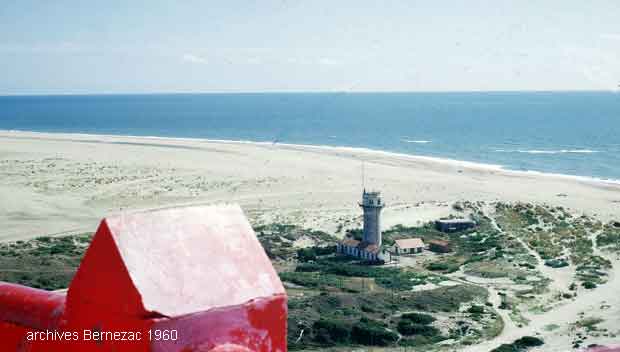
point(350, 242)
point(373, 248)
point(410, 243)
point(368, 247)
point(361, 245)
point(439, 242)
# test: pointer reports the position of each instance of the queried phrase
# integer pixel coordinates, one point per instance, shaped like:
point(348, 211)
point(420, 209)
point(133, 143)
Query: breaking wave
point(415, 141)
point(560, 151)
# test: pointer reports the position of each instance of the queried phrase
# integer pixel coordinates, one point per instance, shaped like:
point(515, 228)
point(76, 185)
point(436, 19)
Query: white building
point(360, 249)
point(408, 246)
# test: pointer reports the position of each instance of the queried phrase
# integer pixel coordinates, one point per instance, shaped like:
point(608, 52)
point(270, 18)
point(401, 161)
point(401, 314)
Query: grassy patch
point(494, 269)
point(277, 240)
point(556, 263)
point(559, 237)
point(589, 323)
point(45, 262)
point(445, 266)
point(388, 278)
point(609, 238)
point(374, 313)
point(551, 327)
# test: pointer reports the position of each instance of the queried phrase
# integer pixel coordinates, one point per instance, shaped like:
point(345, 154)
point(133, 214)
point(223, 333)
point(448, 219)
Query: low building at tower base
point(360, 249)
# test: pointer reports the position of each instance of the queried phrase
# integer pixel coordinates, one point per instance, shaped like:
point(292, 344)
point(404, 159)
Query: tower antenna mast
point(363, 177)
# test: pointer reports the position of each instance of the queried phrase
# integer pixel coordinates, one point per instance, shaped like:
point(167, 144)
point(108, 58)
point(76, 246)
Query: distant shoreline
point(117, 139)
point(550, 91)
point(548, 132)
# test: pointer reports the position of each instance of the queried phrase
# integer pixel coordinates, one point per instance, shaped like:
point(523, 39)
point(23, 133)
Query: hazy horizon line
point(225, 92)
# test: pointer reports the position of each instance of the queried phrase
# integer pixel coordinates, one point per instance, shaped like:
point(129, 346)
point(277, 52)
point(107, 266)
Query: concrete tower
point(372, 205)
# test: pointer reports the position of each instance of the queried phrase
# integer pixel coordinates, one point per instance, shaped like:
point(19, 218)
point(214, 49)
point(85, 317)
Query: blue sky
point(64, 47)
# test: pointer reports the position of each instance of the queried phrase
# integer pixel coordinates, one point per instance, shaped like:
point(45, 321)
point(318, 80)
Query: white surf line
point(308, 147)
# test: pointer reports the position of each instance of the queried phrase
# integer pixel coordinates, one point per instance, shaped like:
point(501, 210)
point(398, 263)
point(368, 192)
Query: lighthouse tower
point(372, 205)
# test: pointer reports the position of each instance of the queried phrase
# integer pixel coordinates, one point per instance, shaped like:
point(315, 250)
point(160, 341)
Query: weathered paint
point(198, 270)
point(26, 306)
point(258, 325)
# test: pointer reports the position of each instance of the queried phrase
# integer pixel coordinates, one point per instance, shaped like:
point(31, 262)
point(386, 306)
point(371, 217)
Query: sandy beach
point(63, 183)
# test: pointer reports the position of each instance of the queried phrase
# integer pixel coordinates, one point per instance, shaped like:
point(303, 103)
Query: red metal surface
point(198, 271)
point(603, 349)
point(38, 309)
point(259, 325)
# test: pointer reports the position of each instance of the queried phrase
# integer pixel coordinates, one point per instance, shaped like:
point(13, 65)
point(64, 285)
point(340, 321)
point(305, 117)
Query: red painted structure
point(172, 280)
point(603, 349)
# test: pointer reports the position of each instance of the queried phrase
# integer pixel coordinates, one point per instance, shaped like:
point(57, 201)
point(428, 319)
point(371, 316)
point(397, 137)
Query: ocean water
point(574, 133)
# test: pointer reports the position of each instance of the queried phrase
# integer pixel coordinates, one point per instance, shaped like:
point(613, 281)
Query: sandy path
point(588, 302)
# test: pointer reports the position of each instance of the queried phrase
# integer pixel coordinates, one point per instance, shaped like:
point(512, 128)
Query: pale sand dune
point(52, 183)
point(58, 183)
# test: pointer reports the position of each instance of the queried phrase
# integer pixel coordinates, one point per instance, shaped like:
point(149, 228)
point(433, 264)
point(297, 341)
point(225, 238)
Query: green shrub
point(506, 347)
point(519, 345)
point(357, 234)
point(475, 309)
point(414, 342)
point(438, 266)
point(446, 299)
point(418, 318)
point(367, 309)
point(446, 267)
point(408, 328)
point(331, 331)
point(556, 263)
point(527, 265)
point(372, 333)
point(405, 327)
point(312, 253)
point(589, 285)
point(589, 323)
point(309, 279)
point(529, 341)
point(308, 267)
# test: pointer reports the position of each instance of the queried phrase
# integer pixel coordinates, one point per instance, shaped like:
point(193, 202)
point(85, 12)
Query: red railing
point(174, 280)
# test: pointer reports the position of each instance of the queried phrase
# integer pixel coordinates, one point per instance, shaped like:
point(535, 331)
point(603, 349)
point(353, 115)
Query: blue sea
point(574, 133)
